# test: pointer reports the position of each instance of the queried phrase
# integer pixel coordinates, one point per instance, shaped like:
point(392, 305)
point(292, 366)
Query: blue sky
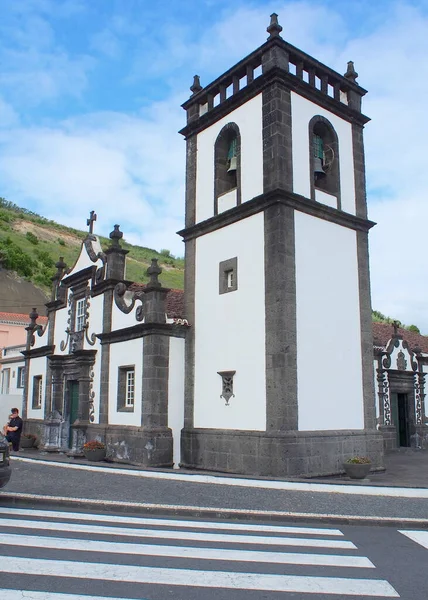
point(90, 95)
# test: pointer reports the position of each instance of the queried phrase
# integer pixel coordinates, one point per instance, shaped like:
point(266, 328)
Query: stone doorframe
point(77, 366)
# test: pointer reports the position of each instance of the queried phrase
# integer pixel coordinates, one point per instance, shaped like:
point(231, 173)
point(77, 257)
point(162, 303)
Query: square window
point(228, 275)
point(126, 389)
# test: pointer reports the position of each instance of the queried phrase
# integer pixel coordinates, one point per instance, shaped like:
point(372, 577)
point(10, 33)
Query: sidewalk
point(397, 496)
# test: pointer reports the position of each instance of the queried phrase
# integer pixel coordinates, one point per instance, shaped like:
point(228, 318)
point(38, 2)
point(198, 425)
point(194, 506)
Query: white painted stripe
point(33, 595)
point(57, 514)
point(420, 537)
point(244, 513)
point(358, 490)
point(175, 535)
point(285, 558)
point(194, 578)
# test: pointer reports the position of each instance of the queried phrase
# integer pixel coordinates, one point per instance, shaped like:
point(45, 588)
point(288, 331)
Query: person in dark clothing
point(14, 429)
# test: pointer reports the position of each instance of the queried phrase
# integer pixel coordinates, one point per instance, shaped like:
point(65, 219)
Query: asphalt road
point(36, 478)
point(73, 556)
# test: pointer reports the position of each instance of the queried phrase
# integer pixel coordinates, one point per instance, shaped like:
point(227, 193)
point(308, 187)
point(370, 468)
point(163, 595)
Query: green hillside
point(30, 245)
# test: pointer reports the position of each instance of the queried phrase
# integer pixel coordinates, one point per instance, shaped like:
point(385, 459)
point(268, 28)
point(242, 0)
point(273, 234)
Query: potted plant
point(94, 450)
point(357, 467)
point(27, 440)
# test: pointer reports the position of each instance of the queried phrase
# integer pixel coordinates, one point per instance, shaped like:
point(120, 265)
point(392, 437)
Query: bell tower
point(279, 372)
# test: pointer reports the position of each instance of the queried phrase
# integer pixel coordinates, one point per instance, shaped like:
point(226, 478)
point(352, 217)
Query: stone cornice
point(260, 203)
point(37, 352)
point(142, 330)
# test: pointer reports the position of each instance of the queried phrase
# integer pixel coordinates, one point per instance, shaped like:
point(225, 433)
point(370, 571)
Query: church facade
point(267, 367)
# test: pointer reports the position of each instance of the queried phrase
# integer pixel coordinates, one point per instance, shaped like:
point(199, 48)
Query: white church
point(265, 364)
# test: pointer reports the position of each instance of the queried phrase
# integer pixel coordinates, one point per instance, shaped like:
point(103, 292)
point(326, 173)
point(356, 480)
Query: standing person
point(14, 429)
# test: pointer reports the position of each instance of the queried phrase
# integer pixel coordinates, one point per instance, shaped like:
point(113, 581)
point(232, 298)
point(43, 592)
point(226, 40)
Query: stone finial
point(196, 85)
point(34, 315)
point(90, 222)
point(154, 271)
point(274, 28)
point(351, 72)
point(116, 235)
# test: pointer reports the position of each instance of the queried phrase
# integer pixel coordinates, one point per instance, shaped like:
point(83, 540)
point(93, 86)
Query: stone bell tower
point(279, 366)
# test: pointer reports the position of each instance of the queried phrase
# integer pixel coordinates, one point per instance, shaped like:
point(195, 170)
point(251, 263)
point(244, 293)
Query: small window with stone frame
point(126, 388)
point(80, 314)
point(20, 377)
point(37, 391)
point(228, 275)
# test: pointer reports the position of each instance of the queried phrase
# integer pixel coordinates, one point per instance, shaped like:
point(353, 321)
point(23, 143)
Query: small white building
point(12, 379)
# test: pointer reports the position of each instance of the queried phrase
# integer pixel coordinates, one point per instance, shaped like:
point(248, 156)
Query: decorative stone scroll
point(420, 398)
point(384, 400)
point(227, 385)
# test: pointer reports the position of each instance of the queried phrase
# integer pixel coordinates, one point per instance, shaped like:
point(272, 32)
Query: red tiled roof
point(24, 319)
point(382, 333)
point(174, 301)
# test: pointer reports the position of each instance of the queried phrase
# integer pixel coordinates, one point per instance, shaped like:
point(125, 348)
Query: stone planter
point(95, 455)
point(356, 470)
point(26, 442)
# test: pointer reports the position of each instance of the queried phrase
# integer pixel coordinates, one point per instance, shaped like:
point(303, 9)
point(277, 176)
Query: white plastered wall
point(37, 367)
point(248, 117)
point(125, 354)
point(84, 261)
point(61, 318)
point(329, 362)
point(302, 111)
point(121, 320)
point(176, 395)
point(230, 328)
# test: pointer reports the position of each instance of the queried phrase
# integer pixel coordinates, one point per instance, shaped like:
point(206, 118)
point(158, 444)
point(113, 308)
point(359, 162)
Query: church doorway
point(400, 415)
point(73, 395)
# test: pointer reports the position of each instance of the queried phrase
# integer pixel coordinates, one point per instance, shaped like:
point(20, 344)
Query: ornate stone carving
point(91, 398)
point(401, 361)
point(227, 385)
point(420, 398)
point(383, 393)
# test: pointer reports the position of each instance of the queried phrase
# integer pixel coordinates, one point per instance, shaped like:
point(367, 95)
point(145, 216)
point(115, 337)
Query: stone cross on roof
point(91, 220)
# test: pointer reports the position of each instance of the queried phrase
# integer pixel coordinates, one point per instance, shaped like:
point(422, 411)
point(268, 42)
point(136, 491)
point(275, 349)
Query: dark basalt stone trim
point(280, 319)
point(105, 354)
point(278, 454)
point(142, 330)
point(191, 168)
point(189, 364)
point(277, 138)
point(366, 329)
point(37, 352)
point(104, 286)
point(278, 196)
point(359, 171)
point(256, 56)
point(290, 82)
point(55, 305)
point(80, 277)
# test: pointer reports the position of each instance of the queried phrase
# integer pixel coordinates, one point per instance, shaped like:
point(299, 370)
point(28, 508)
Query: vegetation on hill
point(30, 245)
point(378, 317)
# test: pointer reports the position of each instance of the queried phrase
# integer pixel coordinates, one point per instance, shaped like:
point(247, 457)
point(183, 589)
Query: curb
point(89, 504)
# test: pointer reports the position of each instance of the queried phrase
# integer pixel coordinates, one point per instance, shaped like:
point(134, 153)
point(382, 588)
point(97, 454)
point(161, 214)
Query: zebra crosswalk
point(57, 553)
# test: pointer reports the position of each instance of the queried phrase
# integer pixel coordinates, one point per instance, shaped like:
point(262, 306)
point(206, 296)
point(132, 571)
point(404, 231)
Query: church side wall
point(176, 395)
point(121, 320)
point(329, 372)
point(302, 111)
point(61, 325)
point(229, 328)
point(125, 354)
point(248, 117)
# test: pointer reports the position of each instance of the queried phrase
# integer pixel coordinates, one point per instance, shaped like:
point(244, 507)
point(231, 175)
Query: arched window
point(227, 170)
point(324, 158)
